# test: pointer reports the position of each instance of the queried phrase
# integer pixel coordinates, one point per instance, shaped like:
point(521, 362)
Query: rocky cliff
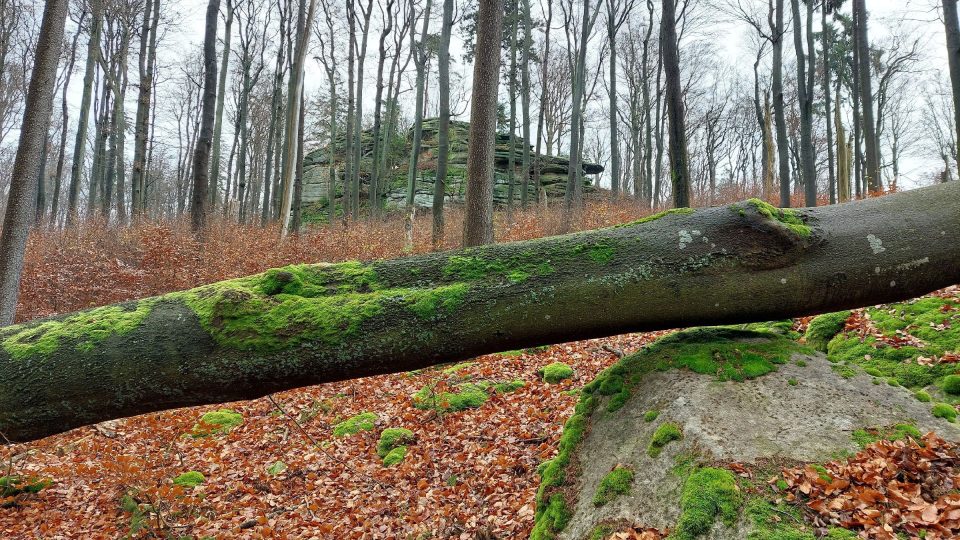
point(553, 171)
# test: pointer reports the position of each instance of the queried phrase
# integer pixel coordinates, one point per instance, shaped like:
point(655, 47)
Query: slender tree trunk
point(273, 134)
point(872, 172)
point(294, 95)
point(349, 164)
point(221, 96)
point(262, 334)
point(420, 62)
point(512, 140)
point(647, 120)
point(827, 103)
point(21, 201)
point(573, 197)
point(443, 130)
point(525, 102)
point(478, 222)
point(614, 134)
point(679, 167)
point(93, 55)
point(377, 114)
point(201, 158)
point(766, 181)
point(805, 69)
point(65, 115)
point(544, 65)
point(952, 28)
point(295, 218)
point(783, 144)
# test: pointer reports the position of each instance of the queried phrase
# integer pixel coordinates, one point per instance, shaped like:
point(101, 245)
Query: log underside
point(309, 324)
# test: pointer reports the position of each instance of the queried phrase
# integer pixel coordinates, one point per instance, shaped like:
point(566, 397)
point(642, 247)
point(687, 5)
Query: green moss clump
point(768, 522)
point(556, 372)
point(922, 396)
point(189, 479)
point(824, 327)
point(454, 369)
point(217, 422)
point(391, 438)
point(664, 435)
point(793, 382)
point(11, 486)
point(365, 421)
point(708, 493)
point(395, 456)
point(650, 416)
point(616, 482)
point(325, 303)
point(469, 395)
point(84, 330)
point(898, 432)
point(787, 217)
point(945, 411)
point(951, 385)
point(601, 532)
point(276, 468)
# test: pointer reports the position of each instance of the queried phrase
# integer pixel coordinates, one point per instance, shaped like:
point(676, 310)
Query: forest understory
point(312, 462)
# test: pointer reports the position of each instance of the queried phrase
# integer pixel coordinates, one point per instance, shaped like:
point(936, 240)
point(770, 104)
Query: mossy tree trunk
point(315, 323)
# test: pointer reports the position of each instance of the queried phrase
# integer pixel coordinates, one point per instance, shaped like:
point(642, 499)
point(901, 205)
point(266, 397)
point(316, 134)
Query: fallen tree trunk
point(309, 324)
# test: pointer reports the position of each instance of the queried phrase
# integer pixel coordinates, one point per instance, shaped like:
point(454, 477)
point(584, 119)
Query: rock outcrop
point(553, 176)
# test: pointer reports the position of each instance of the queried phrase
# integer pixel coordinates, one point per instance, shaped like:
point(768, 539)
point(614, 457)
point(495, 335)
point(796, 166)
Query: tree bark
point(872, 171)
point(443, 130)
point(952, 27)
point(679, 168)
point(827, 102)
point(478, 222)
point(201, 158)
point(805, 71)
point(420, 63)
point(79, 149)
point(309, 324)
point(783, 145)
point(221, 98)
point(22, 198)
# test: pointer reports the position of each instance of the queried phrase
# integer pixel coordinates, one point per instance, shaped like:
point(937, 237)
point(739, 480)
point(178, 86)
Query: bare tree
point(21, 205)
point(478, 222)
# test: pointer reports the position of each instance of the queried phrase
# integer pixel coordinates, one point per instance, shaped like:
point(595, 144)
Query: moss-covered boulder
point(689, 414)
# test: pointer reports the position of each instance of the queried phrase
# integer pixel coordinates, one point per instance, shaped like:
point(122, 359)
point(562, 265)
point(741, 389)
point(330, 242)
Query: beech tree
point(21, 206)
point(314, 323)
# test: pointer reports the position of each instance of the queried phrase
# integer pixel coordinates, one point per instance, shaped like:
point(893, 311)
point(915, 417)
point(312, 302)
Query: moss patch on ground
point(395, 456)
point(945, 411)
point(221, 421)
point(468, 395)
point(933, 321)
point(84, 330)
point(392, 438)
point(617, 482)
point(556, 372)
point(189, 479)
point(898, 432)
point(365, 421)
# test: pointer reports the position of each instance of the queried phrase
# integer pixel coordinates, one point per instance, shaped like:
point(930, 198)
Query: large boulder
point(686, 435)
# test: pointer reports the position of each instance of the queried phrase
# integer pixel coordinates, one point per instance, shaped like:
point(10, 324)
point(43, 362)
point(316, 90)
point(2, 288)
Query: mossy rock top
point(721, 418)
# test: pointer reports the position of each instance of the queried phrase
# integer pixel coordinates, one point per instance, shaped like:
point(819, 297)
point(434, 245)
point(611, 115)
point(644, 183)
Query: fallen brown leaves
point(469, 473)
point(901, 486)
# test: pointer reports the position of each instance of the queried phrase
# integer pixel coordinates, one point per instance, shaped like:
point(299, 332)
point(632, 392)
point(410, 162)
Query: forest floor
point(282, 473)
